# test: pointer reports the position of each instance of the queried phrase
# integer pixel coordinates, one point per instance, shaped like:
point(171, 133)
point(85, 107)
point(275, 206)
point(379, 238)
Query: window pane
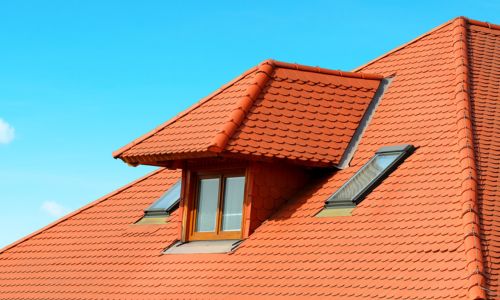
point(364, 176)
point(207, 205)
point(233, 203)
point(168, 199)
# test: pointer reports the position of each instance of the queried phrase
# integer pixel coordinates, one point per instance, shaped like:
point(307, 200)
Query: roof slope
point(408, 239)
point(192, 131)
point(484, 60)
point(275, 110)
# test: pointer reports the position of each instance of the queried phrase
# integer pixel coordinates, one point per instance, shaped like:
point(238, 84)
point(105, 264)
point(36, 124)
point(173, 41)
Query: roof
point(429, 231)
point(274, 110)
point(484, 54)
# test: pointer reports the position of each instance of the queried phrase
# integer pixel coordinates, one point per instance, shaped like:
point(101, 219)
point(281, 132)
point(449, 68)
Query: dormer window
point(218, 210)
point(228, 199)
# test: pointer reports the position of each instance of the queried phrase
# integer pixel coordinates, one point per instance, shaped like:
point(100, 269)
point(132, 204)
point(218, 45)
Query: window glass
point(208, 198)
point(233, 203)
point(365, 176)
point(168, 200)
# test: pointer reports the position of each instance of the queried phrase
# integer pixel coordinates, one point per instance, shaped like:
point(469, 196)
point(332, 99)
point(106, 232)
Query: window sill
point(157, 220)
point(199, 247)
point(335, 212)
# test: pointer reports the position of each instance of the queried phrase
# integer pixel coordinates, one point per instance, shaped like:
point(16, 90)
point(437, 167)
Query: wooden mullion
point(218, 223)
point(194, 206)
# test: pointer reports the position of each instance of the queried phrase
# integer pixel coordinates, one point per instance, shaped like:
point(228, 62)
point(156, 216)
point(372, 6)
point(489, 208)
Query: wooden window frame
point(218, 234)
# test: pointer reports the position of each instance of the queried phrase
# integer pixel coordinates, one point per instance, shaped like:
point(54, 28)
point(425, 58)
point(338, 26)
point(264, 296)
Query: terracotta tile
point(404, 241)
point(329, 104)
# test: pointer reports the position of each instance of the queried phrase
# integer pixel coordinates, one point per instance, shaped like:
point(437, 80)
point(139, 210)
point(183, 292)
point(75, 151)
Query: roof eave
point(169, 160)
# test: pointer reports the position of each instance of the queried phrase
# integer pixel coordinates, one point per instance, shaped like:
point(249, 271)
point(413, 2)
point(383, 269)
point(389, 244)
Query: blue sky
point(79, 79)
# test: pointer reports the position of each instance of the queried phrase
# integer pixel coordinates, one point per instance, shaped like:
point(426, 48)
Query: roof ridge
point(318, 69)
point(263, 74)
point(81, 209)
point(482, 24)
point(120, 151)
point(470, 216)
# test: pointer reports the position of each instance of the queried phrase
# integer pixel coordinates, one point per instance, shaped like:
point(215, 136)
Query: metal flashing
point(152, 220)
point(206, 247)
point(342, 204)
point(329, 212)
point(367, 117)
point(396, 148)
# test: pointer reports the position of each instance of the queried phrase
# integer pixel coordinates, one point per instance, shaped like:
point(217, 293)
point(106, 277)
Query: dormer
point(252, 144)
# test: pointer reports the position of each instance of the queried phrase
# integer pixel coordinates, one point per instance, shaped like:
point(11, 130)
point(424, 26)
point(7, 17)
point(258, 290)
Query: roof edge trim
point(346, 158)
point(90, 205)
point(465, 145)
point(161, 160)
point(243, 106)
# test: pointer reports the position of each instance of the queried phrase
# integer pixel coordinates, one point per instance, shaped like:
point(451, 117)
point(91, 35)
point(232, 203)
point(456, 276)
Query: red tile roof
point(484, 54)
point(275, 110)
point(422, 234)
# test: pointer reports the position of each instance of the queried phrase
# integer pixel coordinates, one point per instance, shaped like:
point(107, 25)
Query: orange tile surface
point(304, 116)
point(275, 110)
point(407, 240)
point(484, 58)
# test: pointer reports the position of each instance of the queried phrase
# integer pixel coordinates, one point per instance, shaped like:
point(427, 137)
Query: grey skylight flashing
point(367, 117)
point(397, 148)
point(193, 247)
point(343, 204)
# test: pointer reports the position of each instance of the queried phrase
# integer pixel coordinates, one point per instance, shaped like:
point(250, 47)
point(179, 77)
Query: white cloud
point(54, 209)
point(6, 132)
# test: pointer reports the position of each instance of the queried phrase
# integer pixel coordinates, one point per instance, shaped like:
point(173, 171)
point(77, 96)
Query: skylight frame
point(165, 211)
point(403, 152)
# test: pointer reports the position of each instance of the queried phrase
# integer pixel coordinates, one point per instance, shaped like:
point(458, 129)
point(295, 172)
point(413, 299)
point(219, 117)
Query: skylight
point(385, 161)
point(167, 202)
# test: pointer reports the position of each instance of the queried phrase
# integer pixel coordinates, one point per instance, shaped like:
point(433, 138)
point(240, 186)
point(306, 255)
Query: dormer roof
point(274, 110)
